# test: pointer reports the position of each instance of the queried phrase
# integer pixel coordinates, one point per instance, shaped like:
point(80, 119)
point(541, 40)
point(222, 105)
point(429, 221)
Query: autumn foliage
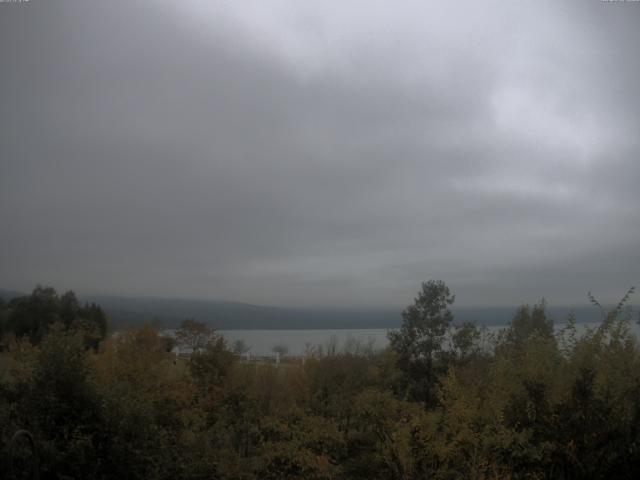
point(443, 402)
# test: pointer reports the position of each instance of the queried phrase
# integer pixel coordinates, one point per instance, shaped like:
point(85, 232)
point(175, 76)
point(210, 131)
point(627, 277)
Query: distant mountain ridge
point(132, 311)
point(9, 294)
point(235, 315)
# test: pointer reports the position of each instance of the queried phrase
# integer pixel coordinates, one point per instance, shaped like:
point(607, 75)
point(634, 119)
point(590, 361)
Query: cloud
point(314, 153)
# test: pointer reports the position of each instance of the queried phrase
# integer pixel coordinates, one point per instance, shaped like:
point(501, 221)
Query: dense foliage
point(33, 315)
point(442, 401)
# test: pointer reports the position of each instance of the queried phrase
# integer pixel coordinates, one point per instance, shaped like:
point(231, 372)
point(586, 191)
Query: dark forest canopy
point(533, 401)
point(33, 315)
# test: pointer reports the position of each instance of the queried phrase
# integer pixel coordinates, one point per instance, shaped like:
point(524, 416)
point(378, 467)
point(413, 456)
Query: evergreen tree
point(419, 342)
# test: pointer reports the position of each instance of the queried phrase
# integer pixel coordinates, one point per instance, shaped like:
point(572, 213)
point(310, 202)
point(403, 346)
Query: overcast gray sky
point(306, 153)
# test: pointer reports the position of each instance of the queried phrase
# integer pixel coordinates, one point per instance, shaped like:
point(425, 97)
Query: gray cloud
point(320, 153)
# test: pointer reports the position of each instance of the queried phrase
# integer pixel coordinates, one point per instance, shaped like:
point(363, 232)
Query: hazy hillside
point(168, 312)
point(9, 294)
point(231, 315)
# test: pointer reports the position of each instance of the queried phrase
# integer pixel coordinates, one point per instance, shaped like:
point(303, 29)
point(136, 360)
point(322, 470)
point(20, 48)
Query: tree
point(527, 322)
point(69, 308)
point(4, 315)
point(194, 335)
point(465, 341)
point(211, 365)
point(62, 406)
point(418, 343)
point(92, 322)
point(33, 315)
point(240, 347)
point(281, 350)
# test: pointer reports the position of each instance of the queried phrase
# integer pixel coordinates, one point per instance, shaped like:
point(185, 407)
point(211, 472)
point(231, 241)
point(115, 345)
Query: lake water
point(297, 342)
point(261, 342)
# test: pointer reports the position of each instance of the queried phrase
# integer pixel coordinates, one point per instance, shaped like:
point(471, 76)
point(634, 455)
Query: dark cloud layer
point(320, 153)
